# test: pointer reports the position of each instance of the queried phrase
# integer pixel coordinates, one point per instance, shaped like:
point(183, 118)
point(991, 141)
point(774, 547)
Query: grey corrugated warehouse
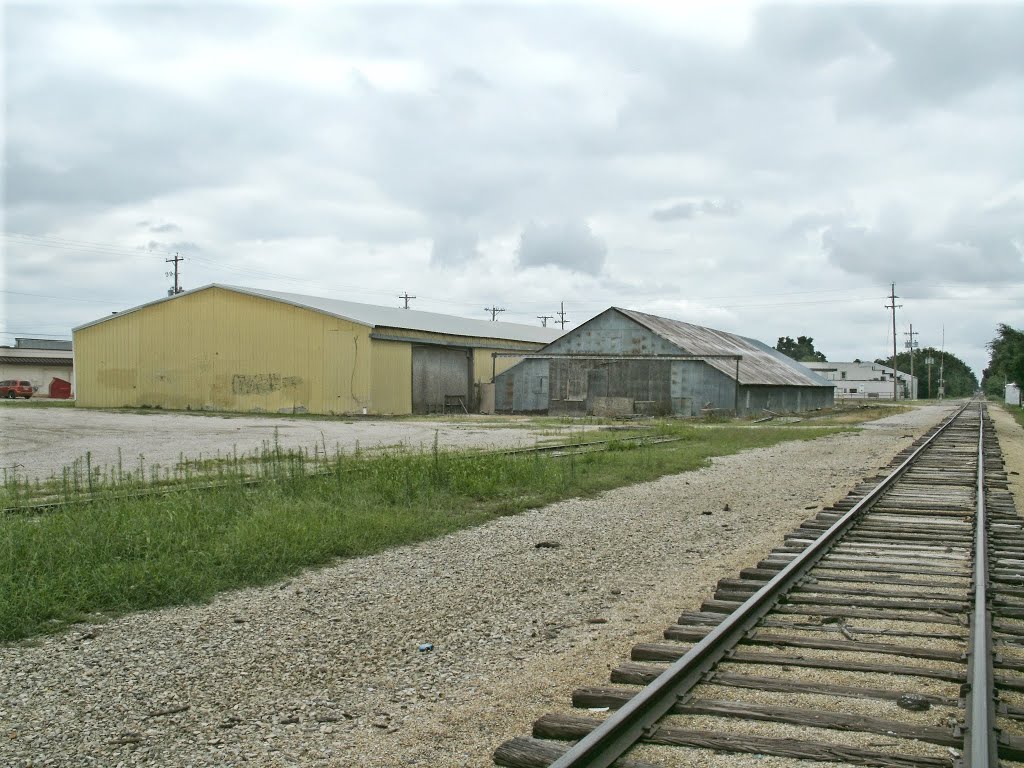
point(624, 362)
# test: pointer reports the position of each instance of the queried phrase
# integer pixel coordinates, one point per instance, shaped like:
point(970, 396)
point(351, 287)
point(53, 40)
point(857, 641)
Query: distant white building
point(1013, 394)
point(38, 361)
point(859, 380)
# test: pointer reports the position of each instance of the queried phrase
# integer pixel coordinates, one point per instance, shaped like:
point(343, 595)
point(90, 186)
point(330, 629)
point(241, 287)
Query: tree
point(802, 349)
point(957, 377)
point(1006, 360)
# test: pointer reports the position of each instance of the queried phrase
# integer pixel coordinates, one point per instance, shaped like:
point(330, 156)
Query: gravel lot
point(40, 441)
point(323, 670)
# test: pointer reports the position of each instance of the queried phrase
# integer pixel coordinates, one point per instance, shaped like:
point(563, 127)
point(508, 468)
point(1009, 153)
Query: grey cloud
point(183, 246)
point(810, 221)
point(570, 245)
point(910, 57)
point(675, 212)
point(689, 209)
point(970, 249)
point(454, 245)
point(168, 227)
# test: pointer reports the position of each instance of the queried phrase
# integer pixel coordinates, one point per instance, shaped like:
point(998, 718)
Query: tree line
point(1006, 360)
point(958, 380)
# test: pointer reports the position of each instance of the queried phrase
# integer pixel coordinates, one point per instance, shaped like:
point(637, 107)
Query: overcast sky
point(768, 170)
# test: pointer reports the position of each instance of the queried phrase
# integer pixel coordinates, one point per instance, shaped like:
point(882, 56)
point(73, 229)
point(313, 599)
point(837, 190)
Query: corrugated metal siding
point(392, 378)
point(612, 333)
point(523, 388)
point(438, 373)
point(221, 350)
point(483, 364)
point(760, 365)
point(454, 340)
point(696, 385)
point(757, 399)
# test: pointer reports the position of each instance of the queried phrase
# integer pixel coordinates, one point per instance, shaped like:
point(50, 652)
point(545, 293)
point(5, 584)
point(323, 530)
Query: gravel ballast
point(325, 669)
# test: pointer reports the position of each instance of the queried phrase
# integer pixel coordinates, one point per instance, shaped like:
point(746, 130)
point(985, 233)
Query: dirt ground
point(40, 441)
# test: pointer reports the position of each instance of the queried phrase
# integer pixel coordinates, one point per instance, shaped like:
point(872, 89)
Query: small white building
point(1013, 394)
point(863, 380)
point(38, 361)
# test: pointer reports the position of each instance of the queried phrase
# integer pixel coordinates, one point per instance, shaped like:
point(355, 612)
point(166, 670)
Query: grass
point(83, 561)
point(36, 403)
point(1017, 412)
point(856, 414)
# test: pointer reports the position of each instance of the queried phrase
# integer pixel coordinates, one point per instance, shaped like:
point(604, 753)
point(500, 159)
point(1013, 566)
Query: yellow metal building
point(227, 348)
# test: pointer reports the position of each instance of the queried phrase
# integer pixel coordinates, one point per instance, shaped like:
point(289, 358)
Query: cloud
point(689, 209)
point(570, 245)
point(454, 245)
point(810, 221)
point(162, 228)
point(973, 247)
point(181, 245)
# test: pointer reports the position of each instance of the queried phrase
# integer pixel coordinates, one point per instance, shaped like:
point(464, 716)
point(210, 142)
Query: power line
point(405, 297)
point(544, 319)
point(60, 298)
point(494, 312)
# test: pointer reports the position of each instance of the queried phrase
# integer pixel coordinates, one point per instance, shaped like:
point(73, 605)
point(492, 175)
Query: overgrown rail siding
point(81, 486)
point(864, 659)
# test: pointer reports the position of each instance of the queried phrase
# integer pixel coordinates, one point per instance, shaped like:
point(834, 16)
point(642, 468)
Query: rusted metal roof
point(760, 364)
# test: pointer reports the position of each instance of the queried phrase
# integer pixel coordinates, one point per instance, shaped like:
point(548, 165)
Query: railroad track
point(887, 631)
point(556, 450)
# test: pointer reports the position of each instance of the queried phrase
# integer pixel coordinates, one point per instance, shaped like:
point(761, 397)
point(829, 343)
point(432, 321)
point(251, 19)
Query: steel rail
point(639, 717)
point(981, 748)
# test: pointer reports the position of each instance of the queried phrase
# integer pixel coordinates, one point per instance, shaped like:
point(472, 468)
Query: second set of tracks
point(887, 631)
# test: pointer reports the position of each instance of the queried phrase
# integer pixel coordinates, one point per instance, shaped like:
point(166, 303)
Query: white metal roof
point(382, 317)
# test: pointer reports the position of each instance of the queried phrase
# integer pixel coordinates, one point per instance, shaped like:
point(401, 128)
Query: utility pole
point(544, 319)
point(929, 361)
point(494, 312)
point(910, 345)
point(177, 288)
point(893, 306)
point(942, 364)
point(405, 297)
point(561, 315)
